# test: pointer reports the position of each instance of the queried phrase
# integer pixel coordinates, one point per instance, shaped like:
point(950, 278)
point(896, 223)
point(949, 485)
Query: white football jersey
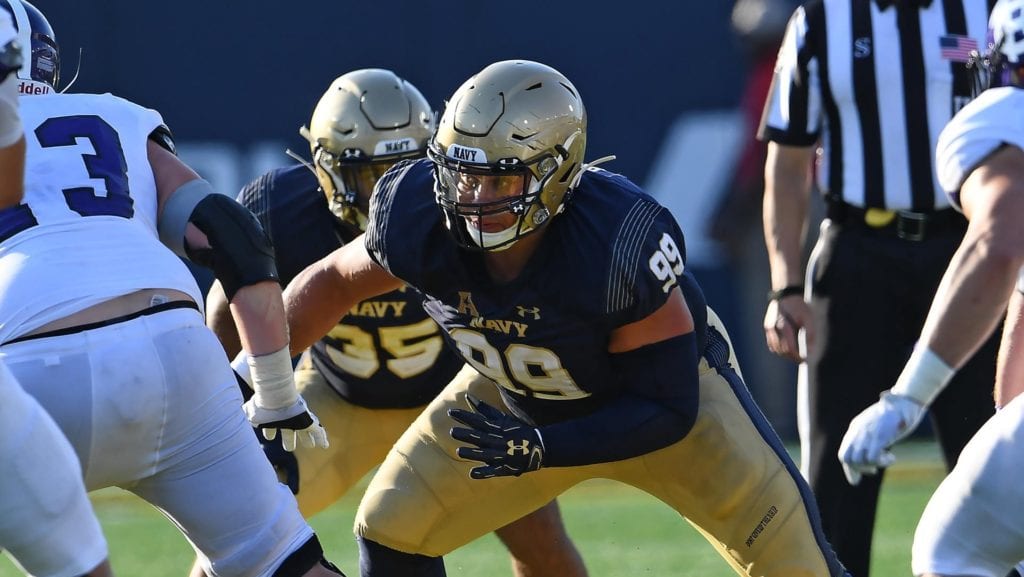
point(7, 30)
point(995, 117)
point(86, 229)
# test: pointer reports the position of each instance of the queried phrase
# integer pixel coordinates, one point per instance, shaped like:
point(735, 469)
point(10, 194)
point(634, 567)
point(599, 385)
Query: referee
point(869, 83)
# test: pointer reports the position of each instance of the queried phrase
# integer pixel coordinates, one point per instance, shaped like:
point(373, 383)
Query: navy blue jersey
point(386, 353)
point(610, 259)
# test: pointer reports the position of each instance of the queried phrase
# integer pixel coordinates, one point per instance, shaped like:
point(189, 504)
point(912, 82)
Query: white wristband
point(273, 380)
point(924, 376)
point(241, 367)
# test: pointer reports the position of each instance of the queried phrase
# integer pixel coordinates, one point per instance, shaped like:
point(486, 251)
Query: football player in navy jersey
point(590, 350)
point(973, 524)
point(376, 369)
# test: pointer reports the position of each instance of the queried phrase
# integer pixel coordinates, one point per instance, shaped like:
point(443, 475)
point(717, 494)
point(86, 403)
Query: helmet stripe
point(24, 38)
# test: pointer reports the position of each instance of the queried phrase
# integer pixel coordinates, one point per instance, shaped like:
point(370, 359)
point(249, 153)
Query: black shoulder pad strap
point(162, 136)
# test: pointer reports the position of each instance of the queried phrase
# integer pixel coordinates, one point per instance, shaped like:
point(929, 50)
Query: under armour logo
point(522, 449)
point(862, 47)
point(523, 311)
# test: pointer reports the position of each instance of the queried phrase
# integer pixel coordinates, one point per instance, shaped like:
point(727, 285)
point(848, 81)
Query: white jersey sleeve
point(7, 30)
point(10, 122)
point(86, 231)
point(995, 118)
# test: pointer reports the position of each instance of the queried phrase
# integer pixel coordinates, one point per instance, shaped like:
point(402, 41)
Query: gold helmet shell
point(366, 121)
point(513, 117)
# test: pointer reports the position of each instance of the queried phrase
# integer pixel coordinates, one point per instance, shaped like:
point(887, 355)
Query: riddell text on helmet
point(33, 88)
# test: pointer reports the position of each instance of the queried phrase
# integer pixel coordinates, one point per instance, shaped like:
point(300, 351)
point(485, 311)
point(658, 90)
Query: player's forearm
point(258, 312)
point(658, 408)
point(1010, 364)
point(967, 306)
point(628, 427)
point(314, 301)
point(971, 299)
point(786, 197)
point(220, 321)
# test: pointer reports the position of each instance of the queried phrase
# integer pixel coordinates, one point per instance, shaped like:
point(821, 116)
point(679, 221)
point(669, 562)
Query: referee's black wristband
point(790, 290)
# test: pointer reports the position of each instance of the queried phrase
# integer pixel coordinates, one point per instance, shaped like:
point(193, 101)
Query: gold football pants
point(360, 439)
point(730, 477)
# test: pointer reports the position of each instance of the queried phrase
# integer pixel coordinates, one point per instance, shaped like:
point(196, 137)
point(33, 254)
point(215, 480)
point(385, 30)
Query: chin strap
point(588, 166)
point(78, 68)
point(301, 160)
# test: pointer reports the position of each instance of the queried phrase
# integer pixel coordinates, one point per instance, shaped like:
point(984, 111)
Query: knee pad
point(305, 558)
point(376, 560)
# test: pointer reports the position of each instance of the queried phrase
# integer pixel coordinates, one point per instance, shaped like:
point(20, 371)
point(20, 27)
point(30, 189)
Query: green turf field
point(620, 531)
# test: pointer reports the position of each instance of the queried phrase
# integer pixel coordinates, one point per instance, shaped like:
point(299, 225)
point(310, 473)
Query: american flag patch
point(957, 48)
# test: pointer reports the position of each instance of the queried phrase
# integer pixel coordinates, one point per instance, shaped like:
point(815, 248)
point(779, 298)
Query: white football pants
point(151, 405)
point(47, 525)
point(974, 523)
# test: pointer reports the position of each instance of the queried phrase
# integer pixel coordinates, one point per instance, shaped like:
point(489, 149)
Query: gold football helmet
point(510, 142)
point(367, 120)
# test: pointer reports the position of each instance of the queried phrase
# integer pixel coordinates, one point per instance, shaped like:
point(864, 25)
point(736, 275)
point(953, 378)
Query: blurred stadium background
point(663, 83)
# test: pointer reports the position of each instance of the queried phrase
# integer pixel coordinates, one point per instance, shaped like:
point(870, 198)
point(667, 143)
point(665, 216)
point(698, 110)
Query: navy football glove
point(284, 462)
point(504, 443)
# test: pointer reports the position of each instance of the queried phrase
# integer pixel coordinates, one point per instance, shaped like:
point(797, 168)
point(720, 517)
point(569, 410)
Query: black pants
point(871, 294)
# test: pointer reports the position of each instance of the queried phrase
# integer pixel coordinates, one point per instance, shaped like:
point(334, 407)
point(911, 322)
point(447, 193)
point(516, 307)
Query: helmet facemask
point(991, 70)
point(1003, 62)
point(518, 121)
point(364, 123)
point(347, 181)
point(523, 190)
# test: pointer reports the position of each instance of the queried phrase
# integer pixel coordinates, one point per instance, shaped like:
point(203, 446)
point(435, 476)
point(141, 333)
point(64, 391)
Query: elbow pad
point(240, 253)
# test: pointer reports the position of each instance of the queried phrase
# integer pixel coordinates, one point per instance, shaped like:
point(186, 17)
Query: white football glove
point(865, 447)
point(296, 423)
point(275, 404)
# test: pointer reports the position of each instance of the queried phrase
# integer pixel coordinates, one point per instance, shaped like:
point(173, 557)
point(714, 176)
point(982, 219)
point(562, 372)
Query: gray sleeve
point(177, 212)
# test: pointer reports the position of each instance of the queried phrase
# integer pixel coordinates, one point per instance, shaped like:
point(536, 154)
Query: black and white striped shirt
point(867, 79)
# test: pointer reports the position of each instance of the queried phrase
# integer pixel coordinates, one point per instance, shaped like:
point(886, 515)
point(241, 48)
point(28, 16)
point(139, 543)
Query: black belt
point(904, 224)
point(105, 323)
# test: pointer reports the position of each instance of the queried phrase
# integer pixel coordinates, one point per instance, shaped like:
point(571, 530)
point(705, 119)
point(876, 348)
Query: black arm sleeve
point(658, 408)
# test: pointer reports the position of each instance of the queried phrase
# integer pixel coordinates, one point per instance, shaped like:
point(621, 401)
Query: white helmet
point(1001, 64)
